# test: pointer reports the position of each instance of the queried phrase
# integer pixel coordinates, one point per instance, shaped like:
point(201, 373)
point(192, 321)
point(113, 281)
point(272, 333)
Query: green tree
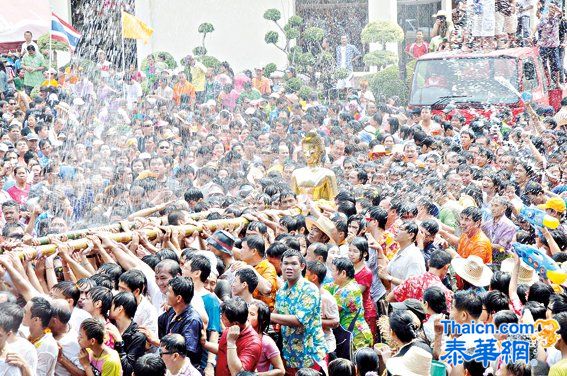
point(381, 32)
point(43, 44)
point(205, 28)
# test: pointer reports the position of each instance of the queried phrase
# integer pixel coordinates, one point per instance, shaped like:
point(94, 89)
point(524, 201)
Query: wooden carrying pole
point(81, 242)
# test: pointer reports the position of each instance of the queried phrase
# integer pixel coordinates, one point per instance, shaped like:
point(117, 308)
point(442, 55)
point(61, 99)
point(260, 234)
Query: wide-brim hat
point(322, 223)
point(526, 274)
point(443, 13)
point(415, 362)
point(222, 241)
point(472, 270)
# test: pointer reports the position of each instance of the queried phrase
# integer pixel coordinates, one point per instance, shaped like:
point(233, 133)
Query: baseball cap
point(32, 137)
point(413, 305)
point(554, 203)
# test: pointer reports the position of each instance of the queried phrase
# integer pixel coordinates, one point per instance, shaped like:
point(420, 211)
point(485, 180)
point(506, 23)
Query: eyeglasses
point(164, 147)
point(161, 352)
point(12, 103)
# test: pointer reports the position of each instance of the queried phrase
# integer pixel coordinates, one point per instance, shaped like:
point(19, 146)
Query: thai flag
point(63, 32)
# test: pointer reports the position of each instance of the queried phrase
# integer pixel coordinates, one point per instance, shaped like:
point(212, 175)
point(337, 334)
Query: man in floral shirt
point(298, 311)
point(414, 287)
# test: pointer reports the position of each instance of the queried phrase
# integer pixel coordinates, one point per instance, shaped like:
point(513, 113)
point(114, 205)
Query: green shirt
point(33, 78)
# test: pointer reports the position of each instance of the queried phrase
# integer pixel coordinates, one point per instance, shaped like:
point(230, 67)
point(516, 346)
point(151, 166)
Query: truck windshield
point(464, 80)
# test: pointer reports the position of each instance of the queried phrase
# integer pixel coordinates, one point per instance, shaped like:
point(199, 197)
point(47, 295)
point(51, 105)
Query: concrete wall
point(239, 29)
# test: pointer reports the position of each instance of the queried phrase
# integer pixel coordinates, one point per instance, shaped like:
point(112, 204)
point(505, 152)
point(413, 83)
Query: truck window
point(529, 78)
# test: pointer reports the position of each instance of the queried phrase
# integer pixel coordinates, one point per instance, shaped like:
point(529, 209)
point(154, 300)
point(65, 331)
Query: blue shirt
point(189, 324)
point(302, 346)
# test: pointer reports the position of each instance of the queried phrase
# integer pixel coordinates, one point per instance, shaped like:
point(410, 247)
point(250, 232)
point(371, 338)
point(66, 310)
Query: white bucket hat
point(415, 362)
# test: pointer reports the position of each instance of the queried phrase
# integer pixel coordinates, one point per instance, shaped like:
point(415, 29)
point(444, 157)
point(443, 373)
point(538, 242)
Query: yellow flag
point(133, 27)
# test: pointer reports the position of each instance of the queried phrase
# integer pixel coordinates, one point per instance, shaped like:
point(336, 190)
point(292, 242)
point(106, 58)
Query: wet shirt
point(305, 345)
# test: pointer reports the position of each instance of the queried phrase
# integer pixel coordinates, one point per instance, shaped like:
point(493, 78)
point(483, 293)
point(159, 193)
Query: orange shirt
point(262, 85)
point(267, 271)
point(478, 245)
point(183, 89)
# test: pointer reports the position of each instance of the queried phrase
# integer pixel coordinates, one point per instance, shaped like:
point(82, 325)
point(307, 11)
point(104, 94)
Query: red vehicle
point(477, 83)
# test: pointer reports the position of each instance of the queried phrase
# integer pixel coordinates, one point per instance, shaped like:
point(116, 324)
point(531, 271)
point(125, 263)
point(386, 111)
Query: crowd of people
point(482, 25)
point(417, 224)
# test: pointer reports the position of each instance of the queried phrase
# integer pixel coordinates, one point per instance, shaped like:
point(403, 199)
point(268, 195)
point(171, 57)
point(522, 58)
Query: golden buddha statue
point(315, 181)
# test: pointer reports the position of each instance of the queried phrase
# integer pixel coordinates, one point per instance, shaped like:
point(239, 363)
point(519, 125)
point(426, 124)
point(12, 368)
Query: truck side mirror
point(529, 71)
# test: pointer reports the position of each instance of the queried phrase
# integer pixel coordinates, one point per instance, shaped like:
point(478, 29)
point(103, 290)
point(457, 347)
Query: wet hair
point(11, 317)
point(518, 368)
point(344, 264)
point(379, 214)
point(174, 343)
point(203, 264)
point(263, 315)
point(341, 367)
point(150, 365)
point(166, 253)
point(468, 301)
point(104, 296)
point(103, 280)
point(42, 309)
point(320, 249)
point(256, 242)
point(94, 329)
point(402, 324)
point(276, 250)
point(293, 253)
point(435, 297)
point(495, 301)
point(69, 291)
point(505, 317)
point(182, 286)
point(366, 360)
point(135, 280)
point(361, 244)
point(257, 226)
point(411, 228)
point(540, 292)
point(500, 281)
point(127, 301)
point(317, 268)
point(114, 271)
point(347, 207)
point(473, 213)
point(439, 259)
point(235, 310)
point(249, 276)
point(561, 319)
point(151, 260)
point(171, 266)
point(537, 309)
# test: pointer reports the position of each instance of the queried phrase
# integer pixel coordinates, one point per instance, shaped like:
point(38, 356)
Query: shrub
point(169, 60)
point(199, 50)
point(272, 15)
point(293, 84)
point(269, 69)
point(314, 34)
point(380, 58)
point(206, 28)
point(271, 37)
point(209, 61)
point(388, 83)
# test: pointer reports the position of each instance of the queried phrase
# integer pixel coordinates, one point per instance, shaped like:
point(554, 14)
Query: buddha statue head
point(313, 149)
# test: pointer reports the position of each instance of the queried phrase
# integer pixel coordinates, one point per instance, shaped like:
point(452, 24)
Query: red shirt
point(18, 194)
point(248, 348)
point(364, 278)
point(417, 51)
point(414, 287)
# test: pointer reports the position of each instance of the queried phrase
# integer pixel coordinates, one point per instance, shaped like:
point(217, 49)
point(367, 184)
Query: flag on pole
point(134, 28)
point(63, 32)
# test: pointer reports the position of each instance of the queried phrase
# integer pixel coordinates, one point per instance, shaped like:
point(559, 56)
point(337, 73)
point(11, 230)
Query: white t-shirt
point(147, 315)
point(24, 49)
point(47, 355)
point(8, 370)
point(24, 347)
point(78, 315)
point(71, 350)
point(407, 263)
point(329, 310)
point(343, 56)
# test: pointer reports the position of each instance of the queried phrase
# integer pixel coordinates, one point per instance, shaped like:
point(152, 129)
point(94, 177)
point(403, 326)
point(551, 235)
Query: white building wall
point(239, 29)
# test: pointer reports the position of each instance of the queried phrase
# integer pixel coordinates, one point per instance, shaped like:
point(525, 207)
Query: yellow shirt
point(52, 83)
point(198, 76)
point(559, 368)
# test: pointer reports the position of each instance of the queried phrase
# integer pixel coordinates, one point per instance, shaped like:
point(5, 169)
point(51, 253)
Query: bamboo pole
point(124, 237)
point(81, 242)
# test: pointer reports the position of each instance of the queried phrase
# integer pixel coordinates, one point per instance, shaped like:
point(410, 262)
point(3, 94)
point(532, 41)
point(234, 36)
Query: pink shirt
point(269, 350)
point(17, 194)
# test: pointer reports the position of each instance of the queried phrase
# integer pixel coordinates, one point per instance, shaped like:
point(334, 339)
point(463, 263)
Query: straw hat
point(472, 270)
point(526, 274)
point(322, 223)
point(415, 362)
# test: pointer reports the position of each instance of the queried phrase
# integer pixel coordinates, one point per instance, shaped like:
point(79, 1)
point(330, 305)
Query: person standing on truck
point(506, 22)
point(525, 9)
point(417, 48)
point(548, 42)
point(442, 30)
